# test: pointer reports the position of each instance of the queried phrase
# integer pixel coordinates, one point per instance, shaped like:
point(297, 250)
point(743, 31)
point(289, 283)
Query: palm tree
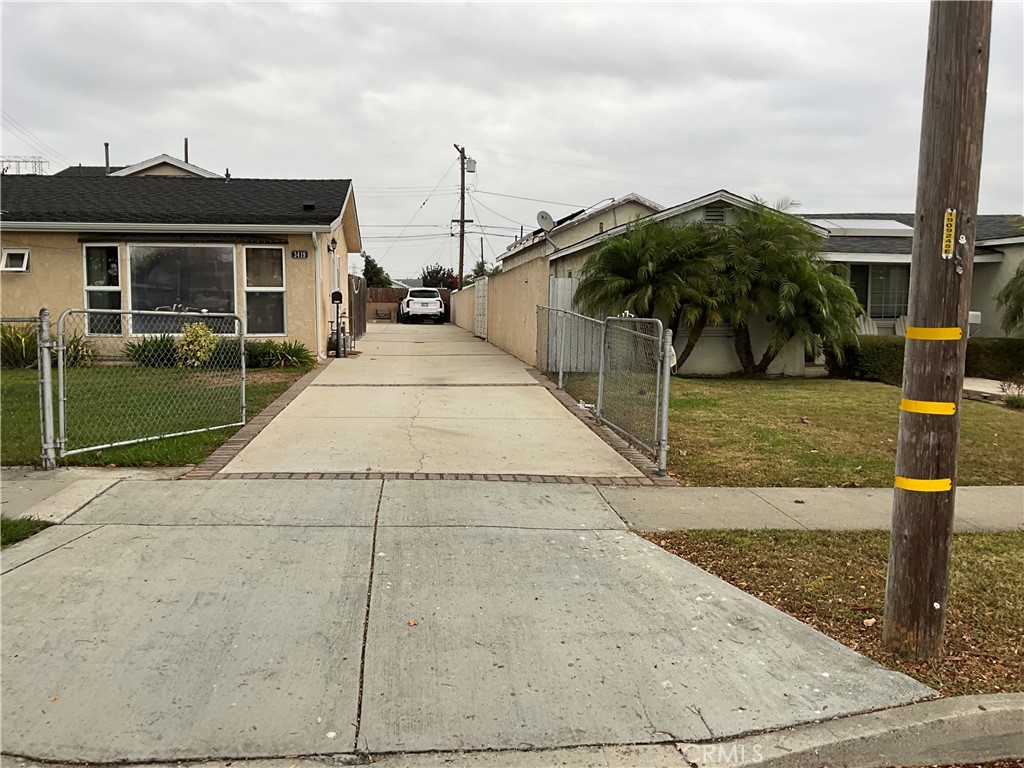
point(480, 269)
point(657, 270)
point(1011, 297)
point(774, 268)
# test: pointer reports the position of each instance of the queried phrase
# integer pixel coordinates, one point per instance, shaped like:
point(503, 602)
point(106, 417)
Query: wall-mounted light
point(332, 246)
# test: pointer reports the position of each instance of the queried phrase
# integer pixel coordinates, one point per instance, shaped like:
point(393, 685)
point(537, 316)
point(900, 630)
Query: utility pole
point(945, 223)
point(462, 210)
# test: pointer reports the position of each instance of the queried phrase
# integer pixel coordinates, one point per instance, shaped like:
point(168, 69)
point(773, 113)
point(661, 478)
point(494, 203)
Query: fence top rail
point(639, 321)
point(568, 312)
point(156, 312)
point(19, 319)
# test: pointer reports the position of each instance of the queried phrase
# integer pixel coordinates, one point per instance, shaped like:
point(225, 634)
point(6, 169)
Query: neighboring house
point(412, 282)
point(164, 232)
point(577, 227)
point(876, 246)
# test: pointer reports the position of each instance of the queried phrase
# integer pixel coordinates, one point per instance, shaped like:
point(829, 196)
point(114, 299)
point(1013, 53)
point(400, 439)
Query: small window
point(103, 288)
point(264, 291)
point(15, 260)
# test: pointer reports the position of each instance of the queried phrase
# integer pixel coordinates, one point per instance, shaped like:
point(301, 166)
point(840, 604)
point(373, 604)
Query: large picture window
point(882, 289)
point(181, 278)
point(102, 288)
point(264, 291)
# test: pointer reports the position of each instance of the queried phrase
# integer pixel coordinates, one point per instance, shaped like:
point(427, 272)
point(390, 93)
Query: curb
point(965, 729)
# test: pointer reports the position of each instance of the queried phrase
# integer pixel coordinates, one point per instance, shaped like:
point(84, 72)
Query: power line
point(506, 218)
point(39, 140)
point(416, 212)
point(532, 199)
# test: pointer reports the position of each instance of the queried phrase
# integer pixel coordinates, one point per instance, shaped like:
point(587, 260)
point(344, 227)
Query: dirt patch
point(835, 582)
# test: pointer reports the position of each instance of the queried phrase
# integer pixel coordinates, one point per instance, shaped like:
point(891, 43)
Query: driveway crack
point(412, 423)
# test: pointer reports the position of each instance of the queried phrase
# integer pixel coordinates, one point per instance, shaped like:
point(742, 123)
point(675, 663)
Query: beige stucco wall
point(574, 231)
point(988, 281)
point(512, 300)
point(463, 308)
point(56, 280)
point(715, 353)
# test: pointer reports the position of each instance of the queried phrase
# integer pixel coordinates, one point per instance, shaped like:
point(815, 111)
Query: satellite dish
point(546, 222)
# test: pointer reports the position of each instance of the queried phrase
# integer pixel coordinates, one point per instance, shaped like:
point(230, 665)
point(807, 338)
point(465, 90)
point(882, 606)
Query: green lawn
point(108, 404)
point(819, 432)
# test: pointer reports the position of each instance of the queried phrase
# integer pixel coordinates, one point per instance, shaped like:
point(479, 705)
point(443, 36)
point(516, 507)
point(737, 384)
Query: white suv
point(421, 303)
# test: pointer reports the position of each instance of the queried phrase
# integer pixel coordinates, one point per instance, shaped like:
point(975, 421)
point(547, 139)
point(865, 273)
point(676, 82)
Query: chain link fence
point(128, 377)
point(631, 379)
point(618, 367)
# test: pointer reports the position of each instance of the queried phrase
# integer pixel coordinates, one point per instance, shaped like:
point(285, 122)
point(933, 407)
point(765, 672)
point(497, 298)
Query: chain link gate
point(126, 377)
point(618, 367)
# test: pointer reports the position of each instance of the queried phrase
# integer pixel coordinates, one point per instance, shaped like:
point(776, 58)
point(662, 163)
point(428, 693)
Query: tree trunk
point(692, 337)
point(762, 367)
point(741, 341)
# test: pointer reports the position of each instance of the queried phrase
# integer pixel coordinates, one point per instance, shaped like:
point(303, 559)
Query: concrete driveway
point(186, 619)
point(428, 399)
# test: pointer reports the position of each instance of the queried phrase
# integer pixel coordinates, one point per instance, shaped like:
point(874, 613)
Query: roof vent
point(714, 213)
point(309, 206)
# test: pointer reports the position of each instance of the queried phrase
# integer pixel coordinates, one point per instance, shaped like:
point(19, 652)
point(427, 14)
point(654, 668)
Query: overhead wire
point(38, 140)
point(420, 208)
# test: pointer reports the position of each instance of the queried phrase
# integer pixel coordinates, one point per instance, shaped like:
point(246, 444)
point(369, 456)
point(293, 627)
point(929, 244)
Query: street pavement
point(171, 620)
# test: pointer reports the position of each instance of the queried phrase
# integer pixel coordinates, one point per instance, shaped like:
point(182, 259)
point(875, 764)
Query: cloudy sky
point(562, 105)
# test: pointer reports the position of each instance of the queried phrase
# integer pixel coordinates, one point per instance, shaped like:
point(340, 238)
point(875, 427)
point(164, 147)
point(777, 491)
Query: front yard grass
point(176, 397)
point(835, 582)
point(15, 529)
point(819, 433)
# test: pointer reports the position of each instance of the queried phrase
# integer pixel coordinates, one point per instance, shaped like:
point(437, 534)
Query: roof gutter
point(73, 226)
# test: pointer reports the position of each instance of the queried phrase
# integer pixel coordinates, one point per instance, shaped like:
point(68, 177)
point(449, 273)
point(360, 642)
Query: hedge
point(880, 358)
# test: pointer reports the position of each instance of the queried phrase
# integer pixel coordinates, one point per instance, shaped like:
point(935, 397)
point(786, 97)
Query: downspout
point(317, 297)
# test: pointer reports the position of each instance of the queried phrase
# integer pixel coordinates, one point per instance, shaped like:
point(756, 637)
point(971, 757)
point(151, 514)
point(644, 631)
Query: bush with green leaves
point(227, 353)
point(152, 351)
point(292, 354)
point(873, 358)
point(999, 359)
point(18, 345)
point(196, 346)
point(78, 352)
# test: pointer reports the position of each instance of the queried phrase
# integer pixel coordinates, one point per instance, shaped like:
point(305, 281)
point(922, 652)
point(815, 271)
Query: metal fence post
point(666, 380)
point(600, 372)
point(561, 348)
point(48, 455)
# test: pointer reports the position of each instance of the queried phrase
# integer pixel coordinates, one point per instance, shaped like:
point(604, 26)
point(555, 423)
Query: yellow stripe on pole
point(935, 334)
point(924, 486)
point(928, 406)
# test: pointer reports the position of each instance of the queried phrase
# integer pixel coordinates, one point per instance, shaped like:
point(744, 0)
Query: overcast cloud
point(566, 103)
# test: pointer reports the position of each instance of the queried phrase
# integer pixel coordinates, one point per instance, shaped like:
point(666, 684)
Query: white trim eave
point(1002, 241)
point(897, 258)
point(724, 195)
point(77, 226)
point(166, 160)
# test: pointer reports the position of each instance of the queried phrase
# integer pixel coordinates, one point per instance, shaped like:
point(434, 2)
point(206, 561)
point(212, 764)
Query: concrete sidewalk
point(178, 620)
point(978, 508)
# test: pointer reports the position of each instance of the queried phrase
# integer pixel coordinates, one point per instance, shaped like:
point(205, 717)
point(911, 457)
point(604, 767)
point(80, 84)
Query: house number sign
point(300, 254)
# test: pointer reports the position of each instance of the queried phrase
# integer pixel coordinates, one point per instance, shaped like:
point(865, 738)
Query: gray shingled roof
point(994, 226)
point(171, 200)
point(88, 170)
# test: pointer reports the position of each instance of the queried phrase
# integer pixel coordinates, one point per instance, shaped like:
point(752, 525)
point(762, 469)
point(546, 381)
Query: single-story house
point(165, 233)
point(876, 246)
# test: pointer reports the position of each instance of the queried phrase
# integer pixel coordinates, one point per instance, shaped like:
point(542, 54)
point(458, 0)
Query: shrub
point(1000, 359)
point(875, 358)
point(227, 354)
point(152, 351)
point(259, 354)
point(18, 345)
point(78, 352)
point(196, 346)
point(293, 354)
point(1013, 389)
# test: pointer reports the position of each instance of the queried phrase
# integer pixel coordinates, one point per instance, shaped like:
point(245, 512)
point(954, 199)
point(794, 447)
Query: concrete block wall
point(462, 308)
